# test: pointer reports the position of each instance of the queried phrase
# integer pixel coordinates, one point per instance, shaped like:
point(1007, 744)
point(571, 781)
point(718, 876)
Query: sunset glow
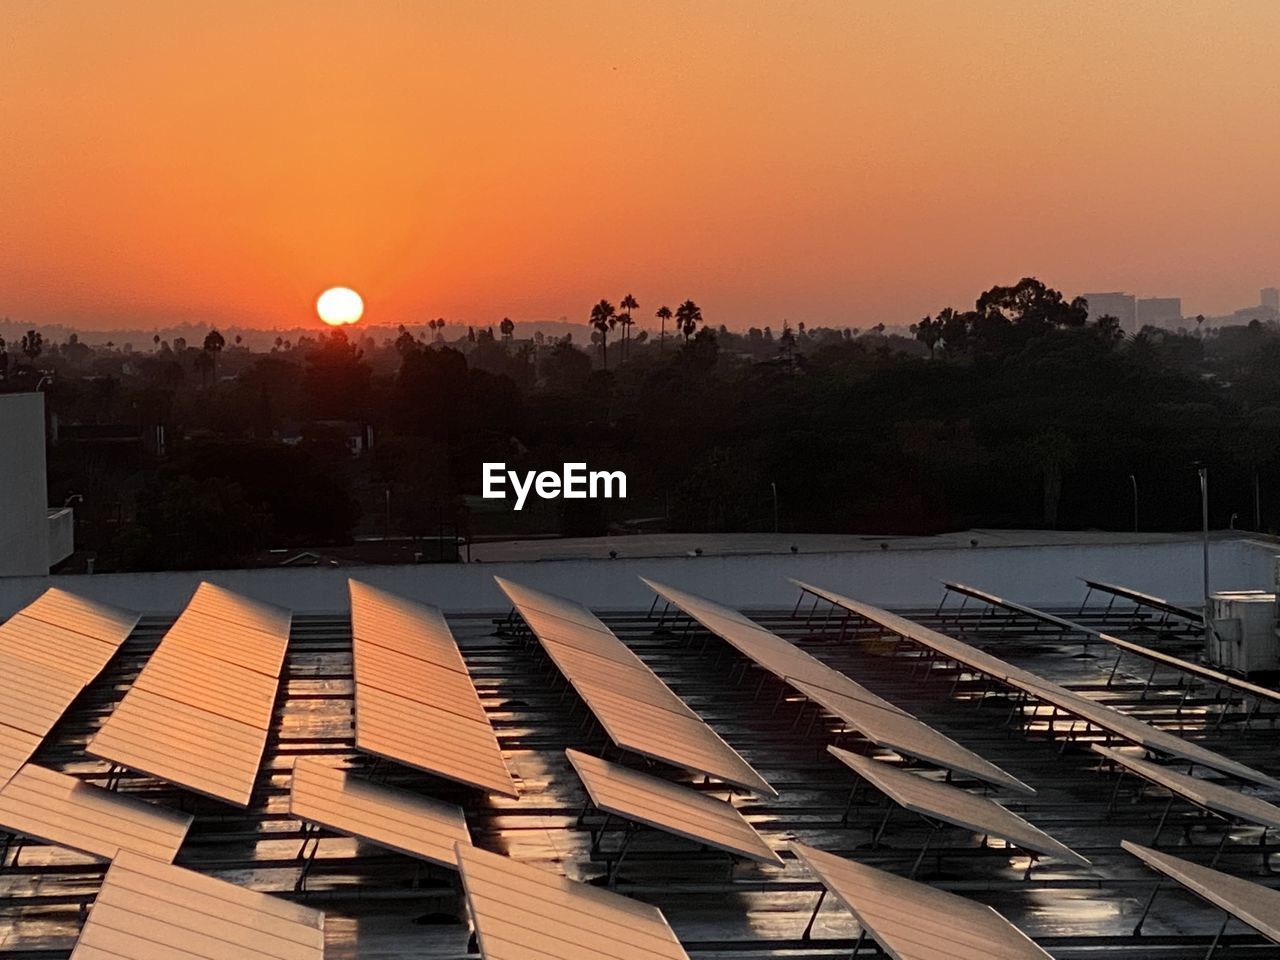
point(828, 162)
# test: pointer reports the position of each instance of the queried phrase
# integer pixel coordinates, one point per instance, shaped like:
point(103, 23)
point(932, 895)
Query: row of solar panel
point(318, 789)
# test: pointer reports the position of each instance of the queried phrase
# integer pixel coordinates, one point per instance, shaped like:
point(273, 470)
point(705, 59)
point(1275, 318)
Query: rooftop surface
point(645, 545)
point(385, 906)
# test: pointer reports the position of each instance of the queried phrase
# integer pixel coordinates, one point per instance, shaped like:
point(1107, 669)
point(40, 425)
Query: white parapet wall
point(905, 579)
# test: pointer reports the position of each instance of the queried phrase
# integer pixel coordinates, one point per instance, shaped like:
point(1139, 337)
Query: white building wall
point(908, 578)
point(24, 517)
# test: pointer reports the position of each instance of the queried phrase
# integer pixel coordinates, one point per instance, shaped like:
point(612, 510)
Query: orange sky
point(841, 162)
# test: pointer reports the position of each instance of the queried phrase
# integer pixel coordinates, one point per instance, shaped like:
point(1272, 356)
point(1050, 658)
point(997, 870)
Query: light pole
point(774, 487)
point(1204, 553)
point(1133, 479)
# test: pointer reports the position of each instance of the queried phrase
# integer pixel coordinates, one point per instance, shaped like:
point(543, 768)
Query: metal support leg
point(597, 836)
point(1160, 826)
point(857, 946)
point(1223, 842)
point(301, 885)
point(1137, 930)
point(924, 848)
point(1114, 668)
point(875, 837)
point(1213, 947)
point(808, 927)
point(616, 865)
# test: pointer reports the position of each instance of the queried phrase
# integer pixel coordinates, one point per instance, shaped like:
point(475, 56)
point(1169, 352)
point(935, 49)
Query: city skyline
point(847, 166)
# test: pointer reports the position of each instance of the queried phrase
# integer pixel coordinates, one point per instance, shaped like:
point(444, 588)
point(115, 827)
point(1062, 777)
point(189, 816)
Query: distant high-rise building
point(1159, 312)
point(1271, 299)
point(1122, 306)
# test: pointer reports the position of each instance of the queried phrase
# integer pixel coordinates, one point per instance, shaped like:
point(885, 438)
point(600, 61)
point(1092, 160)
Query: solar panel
point(910, 737)
point(100, 621)
point(522, 913)
point(199, 712)
point(941, 801)
point(457, 748)
point(609, 675)
point(1145, 600)
point(872, 716)
point(914, 921)
point(415, 701)
point(148, 910)
point(35, 696)
point(637, 710)
point(669, 807)
point(396, 819)
point(183, 745)
point(49, 652)
point(1099, 714)
point(67, 812)
point(1203, 793)
point(16, 748)
point(413, 629)
point(1158, 656)
point(1249, 902)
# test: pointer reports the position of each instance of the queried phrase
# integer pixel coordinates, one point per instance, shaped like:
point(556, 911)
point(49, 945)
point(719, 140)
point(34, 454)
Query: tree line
point(1016, 412)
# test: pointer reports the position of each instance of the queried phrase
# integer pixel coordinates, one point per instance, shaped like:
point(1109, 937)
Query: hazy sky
point(842, 162)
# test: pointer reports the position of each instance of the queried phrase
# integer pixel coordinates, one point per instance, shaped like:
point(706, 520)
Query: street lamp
point(1134, 481)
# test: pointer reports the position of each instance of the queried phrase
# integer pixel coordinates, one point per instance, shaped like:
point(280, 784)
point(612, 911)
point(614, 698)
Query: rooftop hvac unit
point(1244, 638)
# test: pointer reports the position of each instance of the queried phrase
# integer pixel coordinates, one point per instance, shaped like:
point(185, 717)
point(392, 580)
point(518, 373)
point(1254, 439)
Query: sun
point(339, 306)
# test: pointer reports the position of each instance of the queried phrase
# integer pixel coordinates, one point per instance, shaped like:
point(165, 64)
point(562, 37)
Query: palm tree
point(508, 328)
point(663, 315)
point(627, 304)
point(688, 316)
point(213, 344)
point(603, 319)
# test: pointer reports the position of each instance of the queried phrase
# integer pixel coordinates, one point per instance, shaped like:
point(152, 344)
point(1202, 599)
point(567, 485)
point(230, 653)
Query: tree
point(204, 366)
point(1051, 452)
point(337, 380)
point(663, 314)
point(565, 368)
point(603, 319)
point(688, 316)
point(787, 342)
point(626, 305)
point(155, 342)
point(508, 328)
point(213, 344)
point(32, 344)
point(928, 331)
